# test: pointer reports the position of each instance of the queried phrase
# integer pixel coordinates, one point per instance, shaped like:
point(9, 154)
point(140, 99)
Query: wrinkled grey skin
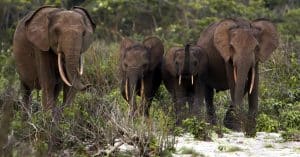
point(183, 71)
point(39, 38)
point(235, 47)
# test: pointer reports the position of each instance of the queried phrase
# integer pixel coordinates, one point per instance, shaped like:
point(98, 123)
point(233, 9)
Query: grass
point(269, 146)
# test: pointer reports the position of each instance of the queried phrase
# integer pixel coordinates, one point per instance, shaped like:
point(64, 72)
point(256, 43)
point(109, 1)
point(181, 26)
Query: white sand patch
point(237, 145)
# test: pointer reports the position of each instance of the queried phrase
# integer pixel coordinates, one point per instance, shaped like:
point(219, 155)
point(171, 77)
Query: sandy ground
point(236, 145)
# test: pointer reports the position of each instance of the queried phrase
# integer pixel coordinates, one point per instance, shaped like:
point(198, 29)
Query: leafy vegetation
point(96, 117)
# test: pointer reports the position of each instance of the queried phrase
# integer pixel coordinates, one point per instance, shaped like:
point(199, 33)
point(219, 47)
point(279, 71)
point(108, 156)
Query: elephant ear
point(169, 60)
point(156, 49)
point(221, 38)
point(37, 27)
point(203, 59)
point(90, 26)
point(267, 37)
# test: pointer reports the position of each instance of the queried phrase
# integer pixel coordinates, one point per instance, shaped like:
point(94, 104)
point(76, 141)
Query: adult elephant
point(48, 49)
point(140, 66)
point(235, 47)
point(183, 72)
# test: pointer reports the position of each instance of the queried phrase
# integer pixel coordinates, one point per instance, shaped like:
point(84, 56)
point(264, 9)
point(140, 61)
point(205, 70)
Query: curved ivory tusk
point(81, 65)
point(192, 79)
point(252, 80)
point(61, 71)
point(179, 80)
point(234, 74)
point(126, 90)
point(142, 89)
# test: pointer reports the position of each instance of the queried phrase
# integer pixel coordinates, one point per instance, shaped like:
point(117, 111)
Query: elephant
point(48, 49)
point(140, 68)
point(235, 47)
point(183, 72)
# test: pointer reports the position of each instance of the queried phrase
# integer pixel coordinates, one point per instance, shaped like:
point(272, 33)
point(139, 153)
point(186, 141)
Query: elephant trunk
point(240, 75)
point(186, 64)
point(132, 84)
point(73, 63)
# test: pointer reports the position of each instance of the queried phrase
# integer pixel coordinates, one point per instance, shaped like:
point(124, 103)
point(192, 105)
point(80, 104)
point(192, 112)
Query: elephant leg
point(56, 111)
point(210, 108)
point(253, 107)
point(146, 106)
point(26, 100)
point(195, 107)
point(69, 95)
point(231, 119)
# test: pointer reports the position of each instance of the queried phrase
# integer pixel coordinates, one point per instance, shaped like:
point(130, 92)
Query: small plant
point(291, 135)
point(269, 146)
point(224, 148)
point(290, 119)
point(266, 123)
point(199, 129)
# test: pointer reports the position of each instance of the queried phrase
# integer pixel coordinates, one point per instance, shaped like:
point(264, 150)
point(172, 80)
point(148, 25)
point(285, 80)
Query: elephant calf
point(140, 66)
point(183, 72)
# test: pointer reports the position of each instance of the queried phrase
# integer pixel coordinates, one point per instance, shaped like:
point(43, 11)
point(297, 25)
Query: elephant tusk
point(192, 79)
point(252, 80)
point(234, 74)
point(126, 90)
point(81, 65)
point(142, 89)
point(179, 81)
point(61, 71)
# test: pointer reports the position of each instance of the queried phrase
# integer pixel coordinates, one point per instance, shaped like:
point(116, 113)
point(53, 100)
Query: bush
point(199, 129)
point(266, 123)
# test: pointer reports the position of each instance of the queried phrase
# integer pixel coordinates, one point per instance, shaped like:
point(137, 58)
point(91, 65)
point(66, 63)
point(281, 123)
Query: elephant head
point(186, 63)
point(243, 44)
point(67, 33)
point(137, 61)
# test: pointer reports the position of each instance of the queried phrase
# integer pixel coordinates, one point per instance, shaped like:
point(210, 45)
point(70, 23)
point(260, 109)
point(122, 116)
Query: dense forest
point(99, 115)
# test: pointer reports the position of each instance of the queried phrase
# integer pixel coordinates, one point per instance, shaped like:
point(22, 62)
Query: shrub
point(199, 129)
point(266, 123)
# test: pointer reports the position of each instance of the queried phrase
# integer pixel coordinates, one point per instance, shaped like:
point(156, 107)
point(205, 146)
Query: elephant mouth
point(62, 69)
point(186, 77)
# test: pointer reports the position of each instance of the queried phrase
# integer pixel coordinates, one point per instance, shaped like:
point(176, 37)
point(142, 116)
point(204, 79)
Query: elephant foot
point(250, 127)
point(231, 121)
point(211, 119)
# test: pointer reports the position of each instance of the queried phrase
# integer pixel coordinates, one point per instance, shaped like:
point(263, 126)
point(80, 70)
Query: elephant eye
point(125, 65)
point(145, 65)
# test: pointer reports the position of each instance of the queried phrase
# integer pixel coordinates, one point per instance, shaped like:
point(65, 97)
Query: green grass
point(269, 146)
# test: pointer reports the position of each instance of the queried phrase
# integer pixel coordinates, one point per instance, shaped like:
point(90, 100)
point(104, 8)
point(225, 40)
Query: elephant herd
point(49, 43)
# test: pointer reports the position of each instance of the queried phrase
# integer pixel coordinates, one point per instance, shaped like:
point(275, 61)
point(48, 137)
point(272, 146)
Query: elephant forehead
point(136, 55)
point(243, 37)
point(69, 17)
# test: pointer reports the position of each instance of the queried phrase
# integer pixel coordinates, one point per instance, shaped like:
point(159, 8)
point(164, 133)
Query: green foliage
point(290, 119)
point(291, 135)
point(199, 129)
point(266, 123)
